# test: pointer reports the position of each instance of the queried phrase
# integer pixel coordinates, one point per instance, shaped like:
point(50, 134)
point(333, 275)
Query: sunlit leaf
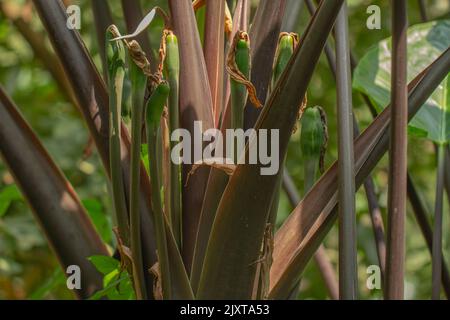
point(104, 264)
point(425, 43)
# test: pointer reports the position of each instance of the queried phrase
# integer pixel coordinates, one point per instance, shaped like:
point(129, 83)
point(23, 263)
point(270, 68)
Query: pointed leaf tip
point(141, 27)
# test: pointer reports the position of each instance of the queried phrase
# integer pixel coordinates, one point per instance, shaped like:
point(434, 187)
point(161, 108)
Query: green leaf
point(117, 286)
point(117, 283)
point(425, 43)
point(99, 218)
point(104, 264)
point(7, 195)
point(156, 103)
point(144, 157)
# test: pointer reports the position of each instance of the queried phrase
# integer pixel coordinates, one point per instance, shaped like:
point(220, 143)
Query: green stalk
point(154, 110)
point(313, 140)
point(115, 54)
point(437, 229)
point(348, 273)
point(172, 67)
point(239, 91)
point(285, 50)
point(138, 86)
point(286, 46)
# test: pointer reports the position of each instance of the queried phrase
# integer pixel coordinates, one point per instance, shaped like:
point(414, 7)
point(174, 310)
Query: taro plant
point(197, 219)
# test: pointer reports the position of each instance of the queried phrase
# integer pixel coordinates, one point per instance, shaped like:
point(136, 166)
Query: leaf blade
point(239, 225)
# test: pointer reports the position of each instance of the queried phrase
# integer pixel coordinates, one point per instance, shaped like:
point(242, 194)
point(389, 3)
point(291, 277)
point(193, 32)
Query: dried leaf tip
point(292, 37)
point(228, 21)
point(114, 32)
point(197, 4)
point(241, 40)
point(287, 43)
point(168, 35)
point(139, 57)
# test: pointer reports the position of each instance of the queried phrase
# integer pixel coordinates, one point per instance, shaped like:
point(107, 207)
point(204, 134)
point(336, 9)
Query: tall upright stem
point(154, 109)
point(347, 219)
point(173, 77)
point(116, 74)
point(138, 80)
point(397, 156)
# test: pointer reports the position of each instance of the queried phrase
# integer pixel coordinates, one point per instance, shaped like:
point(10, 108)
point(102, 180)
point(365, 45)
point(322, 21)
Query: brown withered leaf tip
point(236, 74)
point(114, 31)
point(301, 110)
point(197, 4)
point(157, 288)
point(162, 49)
point(214, 163)
point(228, 21)
point(126, 259)
point(139, 57)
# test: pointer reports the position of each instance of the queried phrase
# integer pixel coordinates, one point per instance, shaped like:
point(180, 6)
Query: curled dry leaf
point(197, 4)
point(163, 49)
point(228, 21)
point(126, 258)
point(139, 57)
point(262, 285)
point(300, 112)
point(223, 164)
point(236, 74)
point(157, 288)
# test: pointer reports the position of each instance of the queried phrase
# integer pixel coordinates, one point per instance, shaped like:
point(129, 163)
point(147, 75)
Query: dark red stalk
point(394, 280)
point(54, 202)
point(214, 53)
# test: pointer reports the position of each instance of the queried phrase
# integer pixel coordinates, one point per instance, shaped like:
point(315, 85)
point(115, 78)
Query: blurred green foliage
point(28, 268)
